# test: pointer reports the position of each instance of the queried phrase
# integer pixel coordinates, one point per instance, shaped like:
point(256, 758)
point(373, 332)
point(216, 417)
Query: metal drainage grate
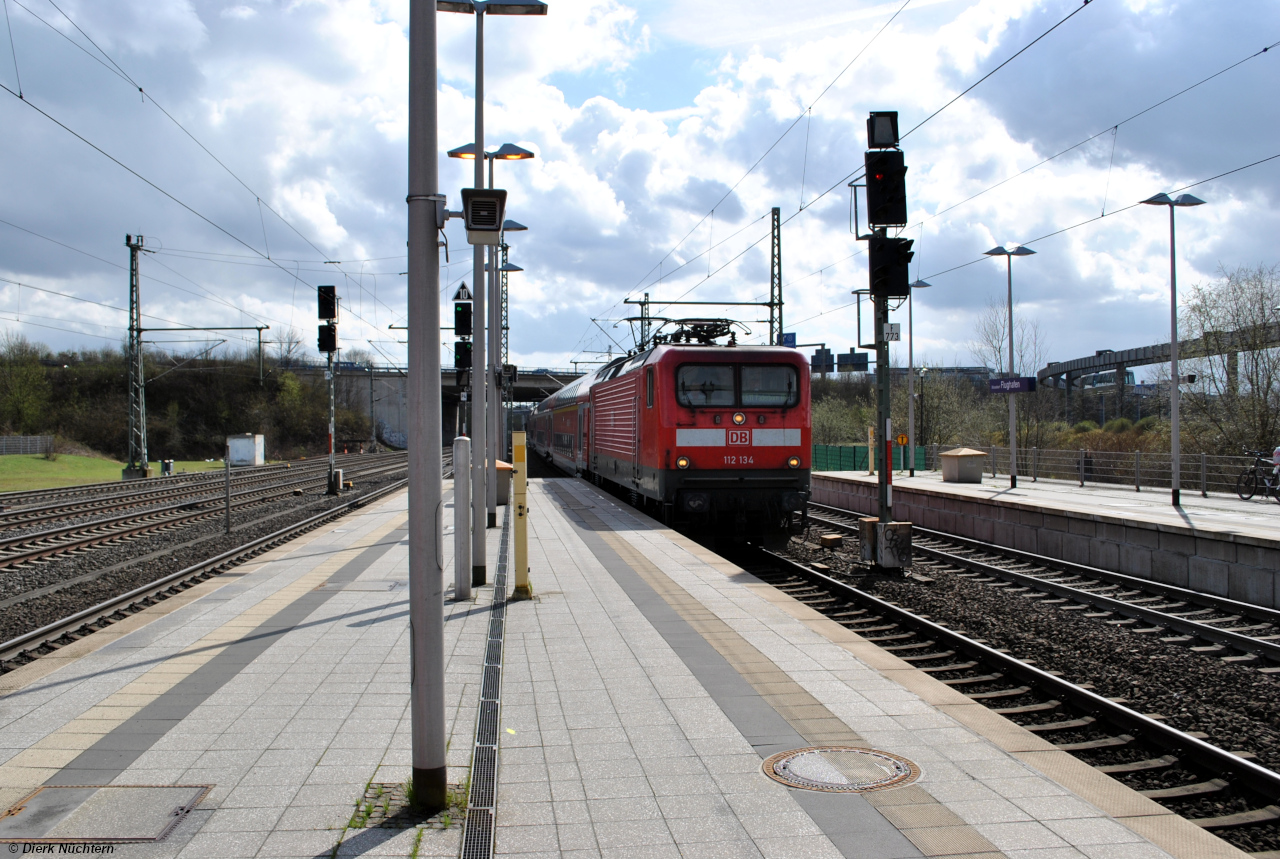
point(477, 838)
point(841, 769)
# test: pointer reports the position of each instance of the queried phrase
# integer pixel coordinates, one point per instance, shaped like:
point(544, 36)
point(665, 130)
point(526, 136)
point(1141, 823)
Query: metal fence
point(18, 444)
point(853, 457)
point(1199, 472)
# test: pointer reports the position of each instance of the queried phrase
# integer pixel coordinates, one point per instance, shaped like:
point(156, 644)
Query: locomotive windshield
point(705, 385)
point(769, 385)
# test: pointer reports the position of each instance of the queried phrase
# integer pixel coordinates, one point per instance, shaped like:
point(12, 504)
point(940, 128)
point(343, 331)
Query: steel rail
point(1206, 755)
point(1239, 641)
point(149, 520)
point(103, 611)
point(1223, 604)
point(158, 489)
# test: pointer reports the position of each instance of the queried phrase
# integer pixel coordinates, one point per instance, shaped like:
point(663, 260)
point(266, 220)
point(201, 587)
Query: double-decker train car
point(708, 435)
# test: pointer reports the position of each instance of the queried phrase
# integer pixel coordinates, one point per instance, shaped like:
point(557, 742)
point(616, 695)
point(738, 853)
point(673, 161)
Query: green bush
point(1084, 427)
point(1147, 424)
point(1118, 425)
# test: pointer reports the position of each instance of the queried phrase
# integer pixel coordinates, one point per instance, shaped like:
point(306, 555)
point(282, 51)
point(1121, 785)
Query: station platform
point(1219, 544)
point(641, 691)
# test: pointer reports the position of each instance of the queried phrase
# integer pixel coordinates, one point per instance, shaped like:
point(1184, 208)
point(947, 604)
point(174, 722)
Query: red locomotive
point(709, 435)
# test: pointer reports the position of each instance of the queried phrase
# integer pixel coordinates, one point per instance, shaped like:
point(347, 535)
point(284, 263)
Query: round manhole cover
point(841, 769)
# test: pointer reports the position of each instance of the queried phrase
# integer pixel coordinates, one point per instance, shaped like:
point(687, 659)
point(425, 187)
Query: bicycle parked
point(1263, 476)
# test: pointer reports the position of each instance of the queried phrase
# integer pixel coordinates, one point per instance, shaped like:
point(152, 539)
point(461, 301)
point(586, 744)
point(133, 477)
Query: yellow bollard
point(520, 498)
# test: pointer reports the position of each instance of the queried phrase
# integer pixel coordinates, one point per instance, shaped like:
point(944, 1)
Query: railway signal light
point(889, 261)
point(328, 339)
point(886, 188)
point(462, 319)
point(462, 354)
point(328, 303)
point(882, 129)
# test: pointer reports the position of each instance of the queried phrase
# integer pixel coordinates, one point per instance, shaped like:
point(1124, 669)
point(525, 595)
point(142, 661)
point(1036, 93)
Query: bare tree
point(1235, 400)
point(990, 344)
point(289, 346)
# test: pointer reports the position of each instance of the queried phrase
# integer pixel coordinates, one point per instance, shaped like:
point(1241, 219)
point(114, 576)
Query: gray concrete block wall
point(1231, 565)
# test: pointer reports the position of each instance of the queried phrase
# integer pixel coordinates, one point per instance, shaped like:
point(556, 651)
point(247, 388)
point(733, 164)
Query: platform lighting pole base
point(1177, 498)
point(522, 592)
point(493, 519)
point(430, 790)
point(479, 576)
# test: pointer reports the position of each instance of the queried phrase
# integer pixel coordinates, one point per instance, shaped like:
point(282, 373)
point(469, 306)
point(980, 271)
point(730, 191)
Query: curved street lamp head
point(510, 226)
point(511, 152)
point(493, 7)
point(1009, 251)
point(919, 284)
point(468, 152)
point(1181, 200)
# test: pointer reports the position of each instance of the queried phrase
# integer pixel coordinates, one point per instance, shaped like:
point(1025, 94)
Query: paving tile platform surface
point(642, 689)
point(1218, 513)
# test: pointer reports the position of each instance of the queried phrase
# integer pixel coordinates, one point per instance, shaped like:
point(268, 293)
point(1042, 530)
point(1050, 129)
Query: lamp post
point(1009, 252)
point(480, 8)
point(911, 372)
point(426, 574)
point(1175, 446)
point(491, 400)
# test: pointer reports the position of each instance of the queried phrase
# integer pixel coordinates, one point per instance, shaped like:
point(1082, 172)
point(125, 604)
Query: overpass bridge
point(1068, 376)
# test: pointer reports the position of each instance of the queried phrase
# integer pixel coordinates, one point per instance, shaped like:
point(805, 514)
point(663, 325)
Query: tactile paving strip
point(840, 769)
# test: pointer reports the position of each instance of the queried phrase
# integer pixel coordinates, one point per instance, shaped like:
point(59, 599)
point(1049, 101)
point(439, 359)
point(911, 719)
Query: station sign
point(1025, 385)
point(789, 340)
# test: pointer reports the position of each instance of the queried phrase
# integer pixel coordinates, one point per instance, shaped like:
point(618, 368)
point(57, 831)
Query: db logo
point(739, 436)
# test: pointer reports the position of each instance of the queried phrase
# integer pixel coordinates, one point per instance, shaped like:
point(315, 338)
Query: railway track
point(25, 648)
point(20, 510)
point(32, 547)
point(1225, 792)
point(1207, 624)
point(30, 645)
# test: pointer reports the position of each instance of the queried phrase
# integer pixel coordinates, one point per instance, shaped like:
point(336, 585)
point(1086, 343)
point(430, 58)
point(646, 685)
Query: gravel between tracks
point(118, 568)
point(1238, 707)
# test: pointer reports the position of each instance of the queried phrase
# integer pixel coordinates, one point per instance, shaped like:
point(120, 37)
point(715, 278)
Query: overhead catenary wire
point(119, 71)
point(1112, 128)
point(1113, 212)
point(161, 190)
point(771, 147)
point(971, 87)
point(13, 50)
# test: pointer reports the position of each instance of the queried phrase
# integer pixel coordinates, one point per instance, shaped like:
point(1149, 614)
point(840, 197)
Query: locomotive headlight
point(794, 462)
point(683, 462)
point(739, 418)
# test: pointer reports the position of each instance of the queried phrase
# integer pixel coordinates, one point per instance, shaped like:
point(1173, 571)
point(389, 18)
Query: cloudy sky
point(268, 155)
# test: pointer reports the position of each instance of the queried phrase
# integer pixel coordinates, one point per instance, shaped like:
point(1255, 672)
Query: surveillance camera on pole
point(482, 211)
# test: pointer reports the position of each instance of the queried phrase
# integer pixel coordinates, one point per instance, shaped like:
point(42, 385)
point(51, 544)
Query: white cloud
point(306, 101)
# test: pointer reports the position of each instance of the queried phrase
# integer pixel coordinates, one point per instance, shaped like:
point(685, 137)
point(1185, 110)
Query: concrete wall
point(1232, 565)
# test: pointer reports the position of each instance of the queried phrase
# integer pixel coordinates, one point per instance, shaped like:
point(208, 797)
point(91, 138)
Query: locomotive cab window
point(705, 385)
point(769, 385)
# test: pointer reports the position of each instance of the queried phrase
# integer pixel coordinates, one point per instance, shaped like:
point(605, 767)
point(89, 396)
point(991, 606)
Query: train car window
point(648, 388)
point(769, 385)
point(705, 385)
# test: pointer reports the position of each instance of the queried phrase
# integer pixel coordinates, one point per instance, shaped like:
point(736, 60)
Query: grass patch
point(22, 473)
